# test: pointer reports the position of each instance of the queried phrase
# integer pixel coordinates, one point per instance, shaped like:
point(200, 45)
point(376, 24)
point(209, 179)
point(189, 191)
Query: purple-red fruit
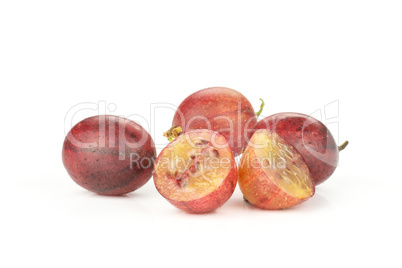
point(272, 173)
point(109, 155)
point(196, 172)
point(219, 109)
point(310, 137)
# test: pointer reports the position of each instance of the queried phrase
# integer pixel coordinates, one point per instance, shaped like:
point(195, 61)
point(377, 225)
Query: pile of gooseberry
point(283, 157)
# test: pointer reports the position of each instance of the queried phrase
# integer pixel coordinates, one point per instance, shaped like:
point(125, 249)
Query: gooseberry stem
point(261, 108)
point(343, 146)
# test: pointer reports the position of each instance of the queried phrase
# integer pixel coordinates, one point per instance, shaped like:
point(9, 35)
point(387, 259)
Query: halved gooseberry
point(196, 172)
point(273, 174)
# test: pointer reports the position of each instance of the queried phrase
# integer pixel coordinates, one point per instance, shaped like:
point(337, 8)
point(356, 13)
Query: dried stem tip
point(173, 133)
point(343, 146)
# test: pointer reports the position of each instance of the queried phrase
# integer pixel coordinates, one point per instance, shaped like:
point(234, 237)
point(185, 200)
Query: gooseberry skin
point(109, 155)
point(219, 109)
point(310, 137)
point(195, 204)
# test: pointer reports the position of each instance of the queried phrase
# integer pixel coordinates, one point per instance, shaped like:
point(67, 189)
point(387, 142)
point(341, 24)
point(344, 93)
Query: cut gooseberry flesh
point(196, 172)
point(273, 174)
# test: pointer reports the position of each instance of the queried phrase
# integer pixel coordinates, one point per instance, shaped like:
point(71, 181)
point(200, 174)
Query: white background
point(298, 56)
